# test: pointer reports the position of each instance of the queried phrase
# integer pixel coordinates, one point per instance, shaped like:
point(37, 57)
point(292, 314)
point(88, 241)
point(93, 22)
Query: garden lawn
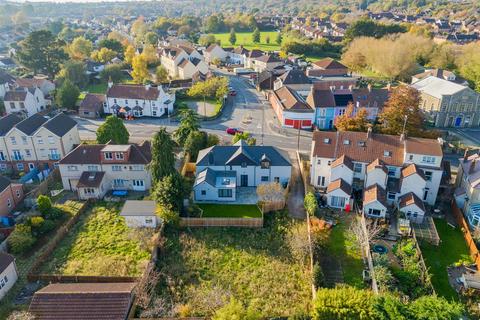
point(245, 39)
point(202, 267)
point(230, 211)
point(452, 249)
point(100, 243)
point(342, 244)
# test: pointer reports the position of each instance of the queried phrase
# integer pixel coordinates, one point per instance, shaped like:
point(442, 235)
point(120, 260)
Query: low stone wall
point(222, 222)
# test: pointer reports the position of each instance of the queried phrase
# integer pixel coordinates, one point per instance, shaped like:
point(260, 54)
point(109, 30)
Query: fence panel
point(467, 235)
point(222, 222)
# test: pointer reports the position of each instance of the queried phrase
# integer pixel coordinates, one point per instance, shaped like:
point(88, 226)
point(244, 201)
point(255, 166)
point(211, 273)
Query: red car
point(233, 131)
point(233, 93)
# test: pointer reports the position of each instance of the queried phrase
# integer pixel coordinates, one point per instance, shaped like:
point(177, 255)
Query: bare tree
point(145, 289)
point(365, 231)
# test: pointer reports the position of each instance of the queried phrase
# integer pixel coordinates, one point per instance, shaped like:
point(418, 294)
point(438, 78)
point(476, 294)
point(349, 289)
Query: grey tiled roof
point(31, 124)
point(60, 124)
point(7, 123)
point(210, 176)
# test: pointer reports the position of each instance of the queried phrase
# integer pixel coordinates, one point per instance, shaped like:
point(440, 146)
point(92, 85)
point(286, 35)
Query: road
point(248, 111)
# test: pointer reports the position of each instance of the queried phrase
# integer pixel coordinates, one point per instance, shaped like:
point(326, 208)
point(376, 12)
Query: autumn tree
point(139, 69)
point(80, 48)
point(150, 54)
point(402, 108)
point(139, 29)
point(469, 64)
point(351, 120)
point(161, 74)
point(114, 130)
point(310, 203)
point(279, 39)
point(129, 54)
point(103, 55)
point(151, 38)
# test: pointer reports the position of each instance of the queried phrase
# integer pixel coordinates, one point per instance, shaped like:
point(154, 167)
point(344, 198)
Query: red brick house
point(11, 194)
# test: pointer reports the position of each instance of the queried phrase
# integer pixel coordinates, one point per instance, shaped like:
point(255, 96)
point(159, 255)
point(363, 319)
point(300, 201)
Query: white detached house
point(24, 101)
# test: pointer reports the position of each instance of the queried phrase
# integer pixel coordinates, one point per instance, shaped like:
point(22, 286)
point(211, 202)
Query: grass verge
point(452, 249)
point(230, 211)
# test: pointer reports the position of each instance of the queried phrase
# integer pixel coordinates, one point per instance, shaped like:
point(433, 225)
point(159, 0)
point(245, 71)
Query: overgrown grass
point(100, 244)
point(230, 211)
point(452, 249)
point(202, 268)
point(342, 244)
point(245, 39)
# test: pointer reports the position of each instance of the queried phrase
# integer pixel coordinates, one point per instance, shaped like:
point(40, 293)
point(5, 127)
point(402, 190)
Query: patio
point(246, 195)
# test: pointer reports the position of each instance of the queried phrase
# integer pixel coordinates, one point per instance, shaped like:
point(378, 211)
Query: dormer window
point(346, 142)
point(265, 164)
point(108, 156)
point(387, 153)
point(119, 156)
point(326, 141)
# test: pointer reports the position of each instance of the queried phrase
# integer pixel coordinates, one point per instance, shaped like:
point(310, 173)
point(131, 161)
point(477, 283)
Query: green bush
point(318, 276)
point(21, 239)
point(47, 226)
point(44, 204)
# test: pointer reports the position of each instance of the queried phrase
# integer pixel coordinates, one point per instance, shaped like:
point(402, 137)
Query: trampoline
point(380, 249)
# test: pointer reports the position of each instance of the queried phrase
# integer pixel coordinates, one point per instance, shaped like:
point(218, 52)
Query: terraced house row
point(37, 142)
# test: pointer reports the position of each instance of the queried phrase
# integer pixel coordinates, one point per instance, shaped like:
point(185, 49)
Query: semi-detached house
point(389, 170)
point(93, 170)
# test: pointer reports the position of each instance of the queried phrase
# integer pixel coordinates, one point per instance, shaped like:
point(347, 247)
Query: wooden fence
point(222, 222)
point(43, 187)
point(423, 266)
point(78, 279)
point(266, 207)
point(467, 235)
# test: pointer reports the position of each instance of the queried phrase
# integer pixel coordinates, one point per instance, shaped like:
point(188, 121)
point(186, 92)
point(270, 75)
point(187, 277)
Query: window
point(116, 168)
point(12, 105)
point(20, 166)
point(410, 157)
point(361, 143)
point(224, 193)
point(115, 101)
point(13, 140)
point(391, 196)
point(387, 153)
point(9, 202)
point(244, 164)
point(118, 183)
point(39, 140)
point(329, 162)
point(357, 167)
point(89, 191)
point(136, 167)
point(338, 202)
point(17, 193)
point(264, 178)
point(427, 159)
point(276, 179)
point(265, 164)
point(51, 140)
point(24, 140)
point(108, 156)
point(126, 101)
point(154, 113)
point(204, 192)
point(22, 105)
point(392, 171)
point(321, 181)
point(93, 168)
point(374, 212)
point(28, 153)
point(319, 162)
point(119, 155)
point(149, 220)
point(346, 142)
point(326, 141)
point(428, 175)
point(72, 168)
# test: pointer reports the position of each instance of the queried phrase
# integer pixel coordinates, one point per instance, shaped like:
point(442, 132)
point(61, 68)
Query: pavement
point(248, 110)
point(296, 195)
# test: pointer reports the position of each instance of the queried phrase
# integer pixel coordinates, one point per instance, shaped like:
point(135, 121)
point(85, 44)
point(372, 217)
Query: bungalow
point(222, 170)
point(138, 100)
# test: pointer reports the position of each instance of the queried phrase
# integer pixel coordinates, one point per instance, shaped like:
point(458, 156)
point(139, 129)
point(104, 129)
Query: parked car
point(233, 131)
point(232, 93)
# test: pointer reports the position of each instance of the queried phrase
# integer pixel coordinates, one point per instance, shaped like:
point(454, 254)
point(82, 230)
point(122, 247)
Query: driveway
point(297, 190)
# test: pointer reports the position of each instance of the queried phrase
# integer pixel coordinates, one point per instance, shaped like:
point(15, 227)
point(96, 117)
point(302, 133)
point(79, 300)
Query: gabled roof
point(6, 78)
point(437, 87)
point(345, 160)
point(139, 208)
point(210, 176)
point(291, 101)
point(268, 58)
point(329, 63)
point(60, 124)
point(220, 155)
point(295, 76)
point(90, 179)
point(30, 82)
point(7, 123)
point(255, 53)
point(241, 156)
point(339, 184)
point(5, 260)
point(133, 91)
point(16, 95)
point(85, 301)
point(412, 169)
point(212, 47)
point(409, 199)
point(377, 164)
point(92, 101)
point(4, 183)
point(375, 193)
point(31, 124)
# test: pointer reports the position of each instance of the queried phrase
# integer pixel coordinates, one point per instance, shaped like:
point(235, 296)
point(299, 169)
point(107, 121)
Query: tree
point(67, 95)
point(21, 239)
point(75, 71)
point(267, 39)
point(80, 48)
point(278, 40)
point(343, 303)
point(161, 74)
point(169, 191)
point(111, 43)
point(256, 36)
point(163, 159)
point(129, 54)
point(188, 124)
point(114, 130)
point(214, 23)
point(168, 215)
point(150, 54)
point(140, 72)
point(112, 72)
point(104, 55)
point(234, 310)
point(233, 37)
point(352, 122)
point(370, 28)
point(196, 141)
point(44, 204)
point(212, 140)
point(469, 63)
point(270, 192)
point(206, 40)
point(67, 34)
point(244, 136)
point(310, 203)
point(433, 307)
point(40, 51)
point(151, 38)
point(139, 29)
point(214, 87)
point(403, 104)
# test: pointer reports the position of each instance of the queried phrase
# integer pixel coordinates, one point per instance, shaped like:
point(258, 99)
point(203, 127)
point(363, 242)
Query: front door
point(31, 166)
point(244, 180)
point(458, 121)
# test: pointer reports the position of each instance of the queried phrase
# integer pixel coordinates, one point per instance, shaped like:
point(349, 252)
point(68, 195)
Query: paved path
point(297, 191)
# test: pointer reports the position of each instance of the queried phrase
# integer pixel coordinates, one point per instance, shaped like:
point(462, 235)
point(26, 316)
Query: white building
point(6, 81)
point(93, 170)
point(182, 62)
point(24, 101)
point(138, 100)
point(221, 170)
point(8, 273)
point(214, 51)
point(389, 167)
point(140, 213)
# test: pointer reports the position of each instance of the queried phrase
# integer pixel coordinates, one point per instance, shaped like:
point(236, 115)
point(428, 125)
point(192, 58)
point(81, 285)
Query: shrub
point(168, 215)
point(47, 226)
point(318, 276)
point(21, 239)
point(44, 204)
